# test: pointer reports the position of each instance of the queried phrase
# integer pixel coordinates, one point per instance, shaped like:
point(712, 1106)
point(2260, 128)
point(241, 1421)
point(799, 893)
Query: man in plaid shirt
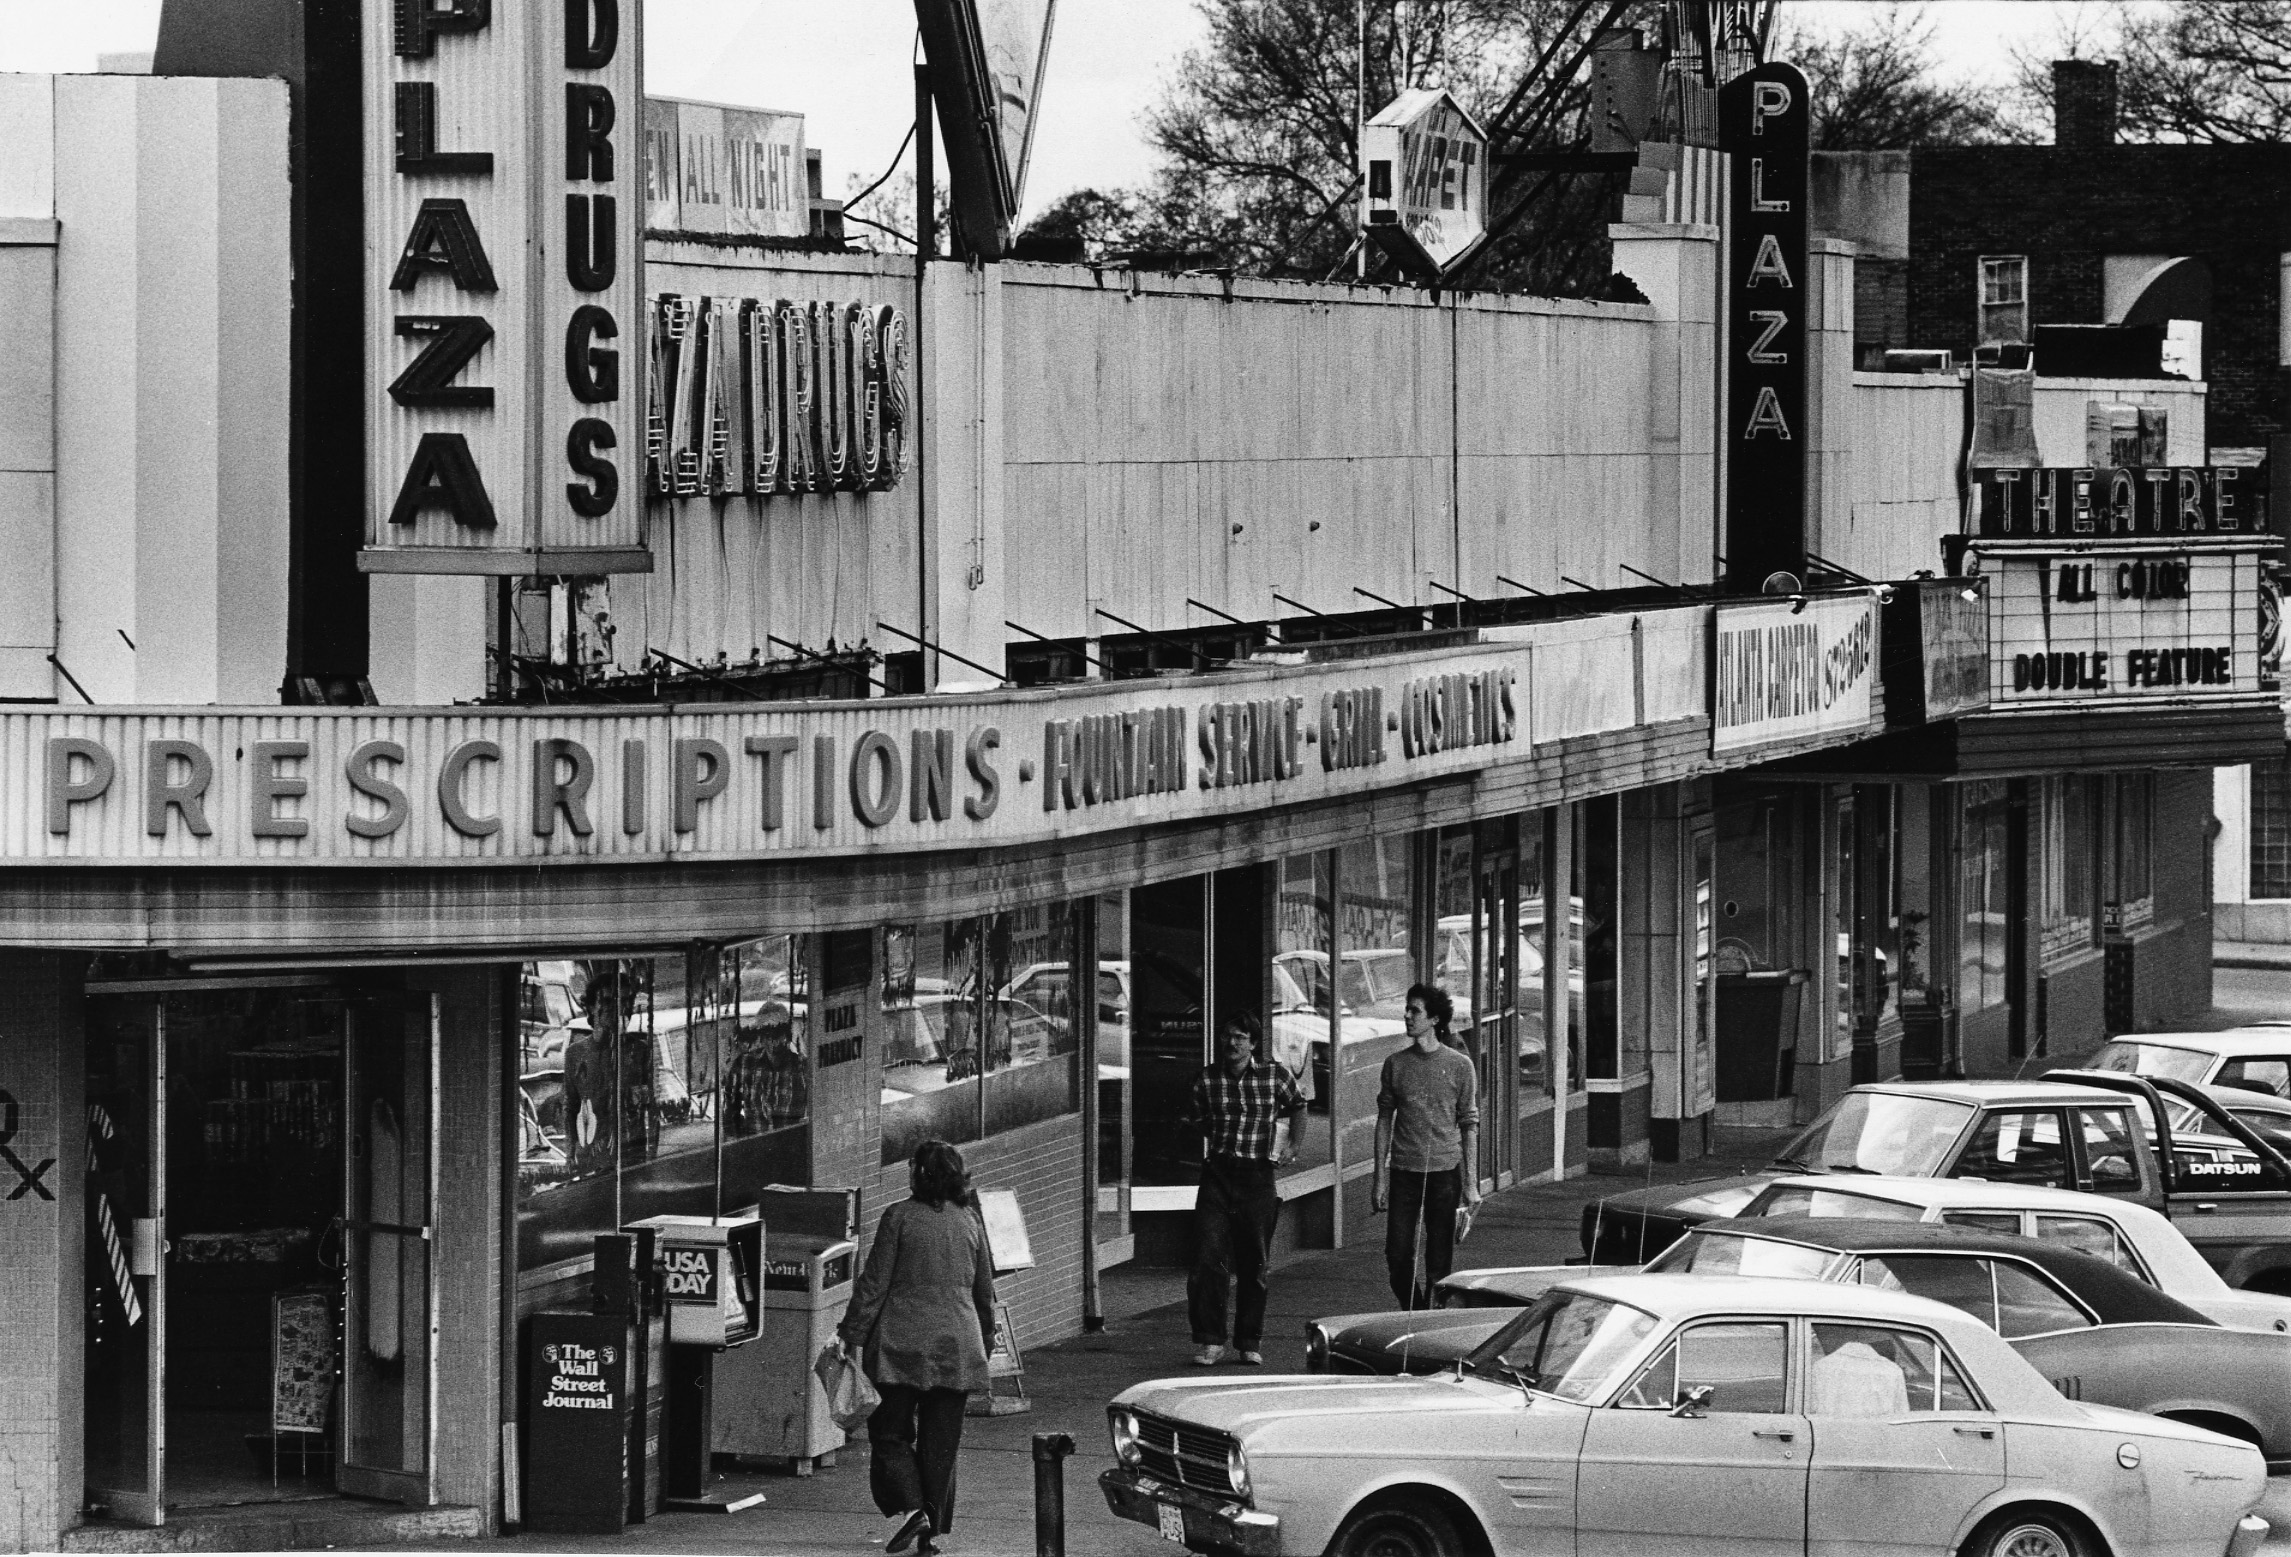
point(1238, 1106)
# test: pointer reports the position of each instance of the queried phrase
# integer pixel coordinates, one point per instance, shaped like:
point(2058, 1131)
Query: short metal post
point(1050, 1451)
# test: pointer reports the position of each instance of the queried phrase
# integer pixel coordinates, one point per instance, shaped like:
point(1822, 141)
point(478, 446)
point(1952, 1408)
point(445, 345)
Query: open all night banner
point(1762, 122)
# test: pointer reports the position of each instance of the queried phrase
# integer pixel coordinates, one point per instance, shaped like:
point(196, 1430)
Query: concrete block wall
point(41, 1256)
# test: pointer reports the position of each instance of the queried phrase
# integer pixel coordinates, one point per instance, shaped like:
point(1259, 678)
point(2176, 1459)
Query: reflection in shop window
point(966, 1052)
point(1377, 963)
point(1304, 1003)
point(655, 1086)
point(1983, 894)
point(1534, 1001)
point(2131, 896)
point(2065, 865)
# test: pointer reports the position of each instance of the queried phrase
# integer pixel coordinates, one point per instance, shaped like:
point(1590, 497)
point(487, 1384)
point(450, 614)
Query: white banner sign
point(715, 169)
point(1782, 671)
point(724, 781)
point(505, 330)
point(2128, 624)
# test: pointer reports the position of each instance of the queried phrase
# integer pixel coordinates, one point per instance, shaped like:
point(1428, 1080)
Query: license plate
point(1172, 1522)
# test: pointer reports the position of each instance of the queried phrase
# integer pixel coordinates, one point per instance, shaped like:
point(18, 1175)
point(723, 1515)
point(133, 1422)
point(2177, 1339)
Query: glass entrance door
point(126, 1335)
point(1495, 1000)
point(389, 1196)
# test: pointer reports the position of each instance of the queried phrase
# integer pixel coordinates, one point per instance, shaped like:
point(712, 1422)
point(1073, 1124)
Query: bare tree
point(2197, 70)
point(1875, 88)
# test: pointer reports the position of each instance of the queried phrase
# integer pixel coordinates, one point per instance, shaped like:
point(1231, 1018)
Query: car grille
point(1188, 1456)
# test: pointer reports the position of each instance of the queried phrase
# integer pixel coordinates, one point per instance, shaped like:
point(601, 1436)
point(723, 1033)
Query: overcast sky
point(846, 65)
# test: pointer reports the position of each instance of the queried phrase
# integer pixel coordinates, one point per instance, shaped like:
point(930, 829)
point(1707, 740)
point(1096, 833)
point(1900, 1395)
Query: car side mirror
point(1693, 1402)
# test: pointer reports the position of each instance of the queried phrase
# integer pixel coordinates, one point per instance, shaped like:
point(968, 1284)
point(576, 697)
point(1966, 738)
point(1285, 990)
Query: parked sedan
point(2097, 1332)
point(2131, 1238)
point(1666, 1413)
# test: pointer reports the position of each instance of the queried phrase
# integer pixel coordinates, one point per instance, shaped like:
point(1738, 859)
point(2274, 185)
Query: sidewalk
point(1146, 1336)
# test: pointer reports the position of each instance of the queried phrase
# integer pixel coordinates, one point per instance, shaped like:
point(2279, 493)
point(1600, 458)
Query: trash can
point(769, 1405)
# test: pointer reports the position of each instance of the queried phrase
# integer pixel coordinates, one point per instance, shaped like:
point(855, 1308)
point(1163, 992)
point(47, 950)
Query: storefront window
point(1984, 895)
point(1913, 875)
point(650, 1086)
point(2065, 812)
point(965, 1053)
point(1593, 1041)
point(1114, 972)
point(2131, 897)
point(1533, 993)
point(1375, 879)
point(2271, 828)
point(1304, 1008)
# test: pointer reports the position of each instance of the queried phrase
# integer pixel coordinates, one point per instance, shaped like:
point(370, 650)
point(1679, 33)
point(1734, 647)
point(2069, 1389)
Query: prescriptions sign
point(505, 202)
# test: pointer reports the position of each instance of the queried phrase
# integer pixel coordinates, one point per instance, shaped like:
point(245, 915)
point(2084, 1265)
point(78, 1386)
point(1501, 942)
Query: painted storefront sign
point(2115, 624)
point(469, 786)
point(504, 287)
point(1788, 670)
point(752, 396)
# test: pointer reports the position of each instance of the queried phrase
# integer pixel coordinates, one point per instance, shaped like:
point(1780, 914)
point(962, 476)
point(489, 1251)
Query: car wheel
point(1397, 1530)
point(2024, 1534)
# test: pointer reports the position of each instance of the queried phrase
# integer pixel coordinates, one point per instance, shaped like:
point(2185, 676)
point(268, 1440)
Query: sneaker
point(916, 1523)
point(1208, 1356)
point(1250, 1359)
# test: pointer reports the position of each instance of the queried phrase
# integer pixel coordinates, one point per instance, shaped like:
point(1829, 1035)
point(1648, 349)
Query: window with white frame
point(2003, 298)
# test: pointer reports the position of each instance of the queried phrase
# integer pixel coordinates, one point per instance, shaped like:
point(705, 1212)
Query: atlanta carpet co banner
point(1791, 669)
point(724, 781)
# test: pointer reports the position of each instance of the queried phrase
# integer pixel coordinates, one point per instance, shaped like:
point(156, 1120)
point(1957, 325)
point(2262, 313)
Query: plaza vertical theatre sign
point(1763, 124)
point(504, 290)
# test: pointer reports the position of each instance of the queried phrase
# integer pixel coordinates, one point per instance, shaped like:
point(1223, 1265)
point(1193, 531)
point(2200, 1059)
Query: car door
point(1729, 1478)
point(1903, 1449)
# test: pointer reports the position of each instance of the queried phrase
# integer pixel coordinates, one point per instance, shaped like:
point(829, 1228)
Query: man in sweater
point(1427, 1140)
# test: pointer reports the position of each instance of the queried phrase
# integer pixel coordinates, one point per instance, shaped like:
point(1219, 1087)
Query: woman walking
point(921, 1320)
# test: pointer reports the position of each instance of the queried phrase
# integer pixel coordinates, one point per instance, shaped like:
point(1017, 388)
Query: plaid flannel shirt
point(1237, 1113)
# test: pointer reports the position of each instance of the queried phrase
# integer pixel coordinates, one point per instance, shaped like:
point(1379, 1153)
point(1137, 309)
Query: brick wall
point(40, 1250)
point(2067, 210)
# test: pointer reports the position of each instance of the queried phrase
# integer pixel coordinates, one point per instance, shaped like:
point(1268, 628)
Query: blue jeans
point(1422, 1206)
point(1233, 1219)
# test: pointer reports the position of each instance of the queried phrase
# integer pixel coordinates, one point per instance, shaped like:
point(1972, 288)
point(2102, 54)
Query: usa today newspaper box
point(708, 1269)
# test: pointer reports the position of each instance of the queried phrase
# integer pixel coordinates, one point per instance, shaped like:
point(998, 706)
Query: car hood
point(1704, 1197)
point(1416, 1342)
point(1496, 1285)
point(1225, 1406)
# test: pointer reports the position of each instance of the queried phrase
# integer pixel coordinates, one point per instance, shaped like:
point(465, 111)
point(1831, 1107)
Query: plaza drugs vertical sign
point(504, 291)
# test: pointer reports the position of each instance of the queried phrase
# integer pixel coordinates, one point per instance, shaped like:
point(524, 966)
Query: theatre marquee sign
point(721, 781)
point(2101, 623)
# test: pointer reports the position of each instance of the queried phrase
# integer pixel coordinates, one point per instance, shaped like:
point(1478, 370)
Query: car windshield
point(1566, 1344)
point(1706, 1253)
point(1806, 1200)
point(1880, 1132)
point(2150, 1059)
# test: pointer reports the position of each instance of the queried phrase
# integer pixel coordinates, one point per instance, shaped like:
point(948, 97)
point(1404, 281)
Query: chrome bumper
point(2250, 1534)
point(1210, 1521)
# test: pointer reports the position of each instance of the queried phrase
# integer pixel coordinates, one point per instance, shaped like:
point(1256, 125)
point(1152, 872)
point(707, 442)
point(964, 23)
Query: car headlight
point(1125, 1431)
point(1316, 1349)
point(1237, 1470)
